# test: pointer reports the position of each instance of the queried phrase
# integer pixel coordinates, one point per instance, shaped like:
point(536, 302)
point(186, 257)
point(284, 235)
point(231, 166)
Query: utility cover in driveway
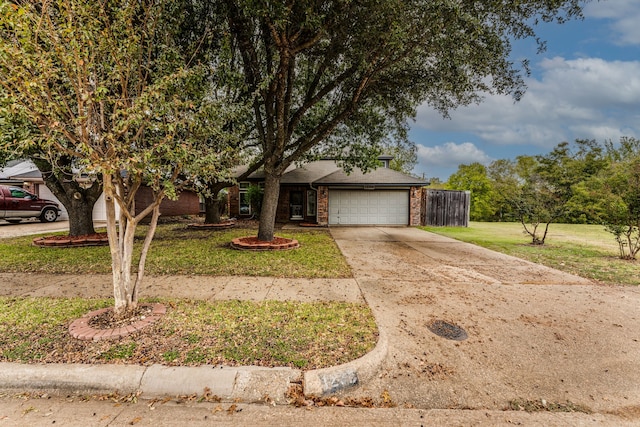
point(447, 330)
point(368, 207)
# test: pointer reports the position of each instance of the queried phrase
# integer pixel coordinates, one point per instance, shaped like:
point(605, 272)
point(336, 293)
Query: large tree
point(611, 195)
point(316, 66)
point(111, 85)
point(474, 178)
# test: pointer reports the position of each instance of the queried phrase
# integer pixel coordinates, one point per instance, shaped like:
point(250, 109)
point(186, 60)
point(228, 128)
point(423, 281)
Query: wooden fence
point(445, 208)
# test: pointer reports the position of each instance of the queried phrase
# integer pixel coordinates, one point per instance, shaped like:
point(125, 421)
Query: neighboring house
point(321, 192)
point(25, 174)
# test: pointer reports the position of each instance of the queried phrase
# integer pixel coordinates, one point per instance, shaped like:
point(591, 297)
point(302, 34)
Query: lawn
point(178, 250)
point(270, 333)
point(586, 250)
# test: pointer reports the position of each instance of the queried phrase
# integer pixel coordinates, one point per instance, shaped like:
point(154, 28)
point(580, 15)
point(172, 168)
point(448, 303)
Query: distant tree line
point(584, 182)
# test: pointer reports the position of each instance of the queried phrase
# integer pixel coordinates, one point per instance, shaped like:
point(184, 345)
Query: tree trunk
point(121, 231)
point(213, 207)
point(212, 210)
point(269, 207)
point(80, 217)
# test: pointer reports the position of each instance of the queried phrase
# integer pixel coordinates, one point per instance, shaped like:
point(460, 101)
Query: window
point(312, 200)
point(18, 193)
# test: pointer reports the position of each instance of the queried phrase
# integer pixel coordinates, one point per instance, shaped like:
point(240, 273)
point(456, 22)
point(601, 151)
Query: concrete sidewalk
point(245, 288)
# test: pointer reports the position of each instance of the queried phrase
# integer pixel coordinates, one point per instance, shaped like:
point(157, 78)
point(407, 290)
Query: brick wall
point(323, 206)
point(188, 203)
point(415, 205)
point(234, 202)
point(282, 212)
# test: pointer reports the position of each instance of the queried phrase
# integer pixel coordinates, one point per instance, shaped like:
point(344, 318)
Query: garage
point(368, 207)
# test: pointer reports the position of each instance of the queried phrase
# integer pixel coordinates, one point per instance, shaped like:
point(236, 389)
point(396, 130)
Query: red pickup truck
point(17, 204)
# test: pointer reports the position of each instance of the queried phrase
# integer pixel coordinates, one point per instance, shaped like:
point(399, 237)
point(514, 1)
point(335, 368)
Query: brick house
point(323, 193)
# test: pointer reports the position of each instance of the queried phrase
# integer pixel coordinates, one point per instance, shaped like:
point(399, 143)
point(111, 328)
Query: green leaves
point(108, 84)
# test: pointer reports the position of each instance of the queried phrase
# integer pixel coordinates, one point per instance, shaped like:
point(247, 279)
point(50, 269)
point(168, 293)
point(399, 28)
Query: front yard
point(178, 250)
point(193, 332)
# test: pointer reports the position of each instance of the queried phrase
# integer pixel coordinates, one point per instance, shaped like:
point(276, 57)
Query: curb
point(320, 382)
point(74, 378)
point(249, 384)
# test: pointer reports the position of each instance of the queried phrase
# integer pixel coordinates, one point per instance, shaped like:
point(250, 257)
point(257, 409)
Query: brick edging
point(81, 330)
point(240, 244)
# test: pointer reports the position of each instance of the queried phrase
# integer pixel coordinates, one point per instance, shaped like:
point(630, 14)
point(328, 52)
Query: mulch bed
point(97, 239)
point(254, 244)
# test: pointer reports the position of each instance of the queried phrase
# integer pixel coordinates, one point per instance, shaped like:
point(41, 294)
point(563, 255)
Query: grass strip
point(192, 333)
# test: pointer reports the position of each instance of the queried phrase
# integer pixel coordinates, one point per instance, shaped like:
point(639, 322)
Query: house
point(24, 173)
point(322, 192)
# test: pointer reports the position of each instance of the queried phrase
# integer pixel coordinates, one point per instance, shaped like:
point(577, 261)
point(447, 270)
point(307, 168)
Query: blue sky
point(586, 85)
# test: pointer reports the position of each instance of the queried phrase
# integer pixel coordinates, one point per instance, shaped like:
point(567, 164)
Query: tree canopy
point(580, 182)
point(347, 72)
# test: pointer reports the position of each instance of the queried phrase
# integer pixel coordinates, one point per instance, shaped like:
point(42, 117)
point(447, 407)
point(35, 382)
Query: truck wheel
point(48, 215)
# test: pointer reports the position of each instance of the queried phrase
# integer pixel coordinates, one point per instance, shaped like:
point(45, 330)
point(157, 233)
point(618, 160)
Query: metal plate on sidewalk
point(447, 330)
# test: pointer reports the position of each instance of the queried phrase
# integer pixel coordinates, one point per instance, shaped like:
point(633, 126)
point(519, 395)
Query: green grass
point(301, 335)
point(585, 250)
point(272, 333)
point(177, 250)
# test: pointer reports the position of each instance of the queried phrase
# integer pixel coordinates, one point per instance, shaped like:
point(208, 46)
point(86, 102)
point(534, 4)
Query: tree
point(613, 195)
point(405, 156)
point(473, 177)
point(317, 68)
point(566, 166)
point(59, 172)
point(107, 84)
point(503, 174)
point(542, 189)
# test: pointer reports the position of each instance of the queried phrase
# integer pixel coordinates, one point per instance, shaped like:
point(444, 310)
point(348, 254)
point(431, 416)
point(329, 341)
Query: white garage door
point(374, 207)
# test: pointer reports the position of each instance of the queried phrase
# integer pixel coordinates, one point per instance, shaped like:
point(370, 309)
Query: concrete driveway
point(31, 226)
point(534, 333)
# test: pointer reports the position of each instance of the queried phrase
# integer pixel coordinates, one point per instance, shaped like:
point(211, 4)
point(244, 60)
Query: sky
point(586, 85)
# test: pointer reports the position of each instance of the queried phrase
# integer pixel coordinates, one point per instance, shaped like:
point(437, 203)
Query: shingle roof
point(327, 172)
point(377, 177)
point(20, 169)
point(310, 172)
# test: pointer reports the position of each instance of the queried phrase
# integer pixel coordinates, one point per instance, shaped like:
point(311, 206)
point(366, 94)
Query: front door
point(296, 203)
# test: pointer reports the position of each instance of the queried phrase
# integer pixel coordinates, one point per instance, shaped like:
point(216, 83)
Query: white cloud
point(451, 154)
point(581, 98)
point(624, 14)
